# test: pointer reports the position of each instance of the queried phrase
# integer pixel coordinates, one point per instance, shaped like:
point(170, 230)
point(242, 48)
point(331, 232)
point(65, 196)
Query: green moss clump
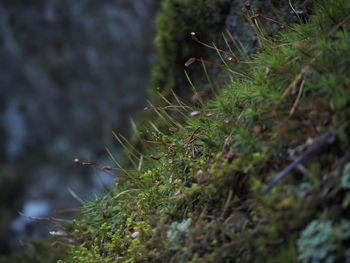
point(42, 251)
point(208, 19)
point(174, 44)
point(195, 193)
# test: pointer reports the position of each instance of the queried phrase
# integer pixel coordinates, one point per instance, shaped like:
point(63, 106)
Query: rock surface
point(71, 72)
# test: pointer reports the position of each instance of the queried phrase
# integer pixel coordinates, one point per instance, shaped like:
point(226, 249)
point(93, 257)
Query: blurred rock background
point(71, 72)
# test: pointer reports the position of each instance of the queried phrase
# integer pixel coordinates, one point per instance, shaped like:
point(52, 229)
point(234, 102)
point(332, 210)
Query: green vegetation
point(208, 18)
point(174, 24)
point(43, 251)
point(194, 194)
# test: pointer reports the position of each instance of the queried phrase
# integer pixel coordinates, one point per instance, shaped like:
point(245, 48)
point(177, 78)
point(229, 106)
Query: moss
point(174, 24)
point(43, 251)
point(208, 19)
point(196, 193)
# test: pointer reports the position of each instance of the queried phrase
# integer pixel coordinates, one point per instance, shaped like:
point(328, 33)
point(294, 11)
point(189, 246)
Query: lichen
point(321, 241)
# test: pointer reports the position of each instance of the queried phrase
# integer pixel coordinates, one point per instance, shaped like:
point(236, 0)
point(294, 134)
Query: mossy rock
point(215, 22)
point(208, 19)
point(175, 23)
point(196, 196)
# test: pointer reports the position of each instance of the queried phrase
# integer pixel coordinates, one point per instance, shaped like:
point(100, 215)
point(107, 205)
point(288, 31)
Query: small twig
point(192, 137)
point(317, 148)
point(297, 99)
point(46, 218)
point(272, 20)
point(194, 38)
point(335, 28)
point(242, 74)
point(104, 168)
point(227, 203)
point(65, 211)
point(232, 56)
point(167, 108)
point(294, 83)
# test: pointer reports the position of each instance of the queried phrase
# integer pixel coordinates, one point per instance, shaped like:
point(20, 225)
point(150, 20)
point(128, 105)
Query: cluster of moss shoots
point(202, 184)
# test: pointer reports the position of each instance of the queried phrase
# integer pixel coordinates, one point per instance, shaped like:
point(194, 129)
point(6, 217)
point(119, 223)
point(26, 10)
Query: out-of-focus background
point(71, 72)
